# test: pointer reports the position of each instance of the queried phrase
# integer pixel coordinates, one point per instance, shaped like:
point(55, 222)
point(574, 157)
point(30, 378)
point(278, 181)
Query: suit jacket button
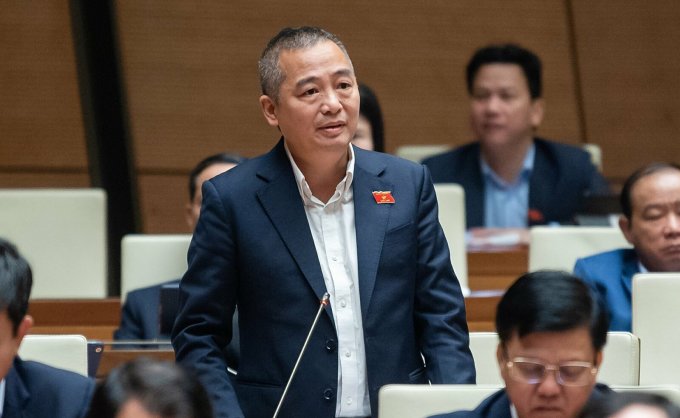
point(331, 345)
point(328, 394)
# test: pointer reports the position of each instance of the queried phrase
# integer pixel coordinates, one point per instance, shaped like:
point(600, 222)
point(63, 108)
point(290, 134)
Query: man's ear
point(537, 112)
point(24, 326)
point(624, 226)
point(269, 110)
point(500, 356)
point(598, 359)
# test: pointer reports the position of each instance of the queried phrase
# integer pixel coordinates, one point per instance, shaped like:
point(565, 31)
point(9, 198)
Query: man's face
point(502, 110)
point(318, 104)
point(193, 209)
point(549, 399)
point(654, 227)
point(9, 341)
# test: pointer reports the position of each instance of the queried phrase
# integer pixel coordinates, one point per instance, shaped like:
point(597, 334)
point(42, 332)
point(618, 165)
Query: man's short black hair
point(507, 54)
point(550, 301)
point(16, 280)
point(615, 402)
point(221, 158)
point(644, 171)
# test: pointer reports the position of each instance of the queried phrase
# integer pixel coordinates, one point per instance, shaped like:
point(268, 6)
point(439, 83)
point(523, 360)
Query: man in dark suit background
point(650, 202)
point(316, 215)
point(551, 333)
point(511, 178)
point(140, 318)
point(31, 389)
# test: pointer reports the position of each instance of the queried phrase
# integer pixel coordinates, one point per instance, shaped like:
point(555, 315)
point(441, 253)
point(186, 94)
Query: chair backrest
point(595, 154)
point(420, 401)
point(148, 259)
point(418, 153)
point(655, 321)
point(67, 352)
point(621, 364)
point(62, 234)
point(451, 200)
point(559, 247)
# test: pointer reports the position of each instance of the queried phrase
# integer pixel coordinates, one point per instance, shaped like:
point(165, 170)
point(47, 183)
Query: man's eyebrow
point(341, 72)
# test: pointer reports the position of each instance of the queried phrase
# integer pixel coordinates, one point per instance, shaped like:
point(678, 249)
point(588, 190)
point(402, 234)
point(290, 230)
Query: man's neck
point(507, 161)
point(323, 172)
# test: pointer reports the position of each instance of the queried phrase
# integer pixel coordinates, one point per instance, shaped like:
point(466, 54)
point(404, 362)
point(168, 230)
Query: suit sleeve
point(441, 325)
point(207, 302)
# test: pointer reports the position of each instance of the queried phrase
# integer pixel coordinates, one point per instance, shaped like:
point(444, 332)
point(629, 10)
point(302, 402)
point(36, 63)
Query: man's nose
point(672, 227)
point(331, 102)
point(493, 104)
point(549, 386)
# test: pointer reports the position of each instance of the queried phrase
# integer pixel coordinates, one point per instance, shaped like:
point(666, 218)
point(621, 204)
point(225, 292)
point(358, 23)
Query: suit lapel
point(370, 221)
point(630, 268)
point(281, 200)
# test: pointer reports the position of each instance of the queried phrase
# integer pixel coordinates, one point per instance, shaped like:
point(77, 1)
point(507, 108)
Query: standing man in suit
point(511, 178)
point(29, 388)
point(317, 215)
point(650, 202)
point(552, 332)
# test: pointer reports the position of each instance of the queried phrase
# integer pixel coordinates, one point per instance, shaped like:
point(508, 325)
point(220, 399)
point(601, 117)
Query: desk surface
point(496, 268)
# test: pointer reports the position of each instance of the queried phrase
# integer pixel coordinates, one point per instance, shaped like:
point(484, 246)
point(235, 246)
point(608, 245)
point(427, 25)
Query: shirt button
point(348, 354)
point(349, 401)
point(334, 258)
point(343, 303)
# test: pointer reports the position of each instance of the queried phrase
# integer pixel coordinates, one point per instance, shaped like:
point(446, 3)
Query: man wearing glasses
point(551, 333)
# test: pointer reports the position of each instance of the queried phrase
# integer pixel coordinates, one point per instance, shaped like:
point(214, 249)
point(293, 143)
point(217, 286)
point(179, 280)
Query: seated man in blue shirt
point(140, 314)
point(650, 202)
point(551, 331)
point(29, 388)
point(511, 178)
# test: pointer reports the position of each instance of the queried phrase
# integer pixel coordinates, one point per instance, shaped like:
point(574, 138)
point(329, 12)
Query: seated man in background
point(650, 203)
point(551, 331)
point(29, 388)
point(140, 318)
point(511, 178)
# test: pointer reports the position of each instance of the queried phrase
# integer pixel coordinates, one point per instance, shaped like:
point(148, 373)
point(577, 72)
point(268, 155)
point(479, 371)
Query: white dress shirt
point(334, 233)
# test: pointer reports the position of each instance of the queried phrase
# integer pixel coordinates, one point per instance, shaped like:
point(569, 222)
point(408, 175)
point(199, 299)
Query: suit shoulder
point(562, 153)
point(145, 292)
point(606, 257)
point(453, 156)
point(44, 377)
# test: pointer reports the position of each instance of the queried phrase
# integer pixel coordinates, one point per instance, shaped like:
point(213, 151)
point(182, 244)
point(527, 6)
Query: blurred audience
point(30, 388)
point(513, 179)
point(552, 332)
point(631, 405)
point(650, 202)
point(145, 388)
point(370, 131)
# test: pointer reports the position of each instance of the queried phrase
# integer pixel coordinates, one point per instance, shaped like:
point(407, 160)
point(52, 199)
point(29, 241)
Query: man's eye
point(310, 92)
point(345, 86)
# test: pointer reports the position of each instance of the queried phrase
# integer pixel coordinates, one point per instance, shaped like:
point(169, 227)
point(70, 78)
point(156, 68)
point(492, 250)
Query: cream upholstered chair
point(148, 259)
point(419, 401)
point(558, 248)
point(655, 321)
point(451, 200)
point(62, 234)
point(67, 352)
point(621, 364)
point(595, 154)
point(418, 153)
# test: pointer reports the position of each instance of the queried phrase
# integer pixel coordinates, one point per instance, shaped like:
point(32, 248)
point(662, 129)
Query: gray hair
point(271, 75)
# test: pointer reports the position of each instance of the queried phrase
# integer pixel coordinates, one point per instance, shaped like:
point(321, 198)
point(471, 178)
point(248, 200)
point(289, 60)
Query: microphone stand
point(322, 304)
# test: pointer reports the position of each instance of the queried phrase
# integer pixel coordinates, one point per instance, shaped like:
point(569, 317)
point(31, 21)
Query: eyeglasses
point(569, 373)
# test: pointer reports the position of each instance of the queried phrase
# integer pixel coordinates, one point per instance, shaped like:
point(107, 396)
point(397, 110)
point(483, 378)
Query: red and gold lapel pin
point(383, 197)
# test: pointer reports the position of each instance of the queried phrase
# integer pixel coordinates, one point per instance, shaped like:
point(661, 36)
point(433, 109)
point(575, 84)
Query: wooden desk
point(93, 318)
point(496, 268)
point(112, 358)
point(480, 309)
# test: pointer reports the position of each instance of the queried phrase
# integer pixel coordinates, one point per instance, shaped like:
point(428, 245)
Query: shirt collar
point(343, 191)
point(527, 168)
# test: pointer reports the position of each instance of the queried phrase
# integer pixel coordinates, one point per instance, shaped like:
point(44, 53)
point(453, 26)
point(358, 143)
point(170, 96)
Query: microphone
point(322, 304)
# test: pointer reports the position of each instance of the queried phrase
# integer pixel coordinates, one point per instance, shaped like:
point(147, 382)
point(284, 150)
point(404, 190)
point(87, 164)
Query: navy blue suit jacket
point(498, 405)
point(35, 390)
point(561, 177)
point(140, 320)
point(253, 245)
point(610, 275)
